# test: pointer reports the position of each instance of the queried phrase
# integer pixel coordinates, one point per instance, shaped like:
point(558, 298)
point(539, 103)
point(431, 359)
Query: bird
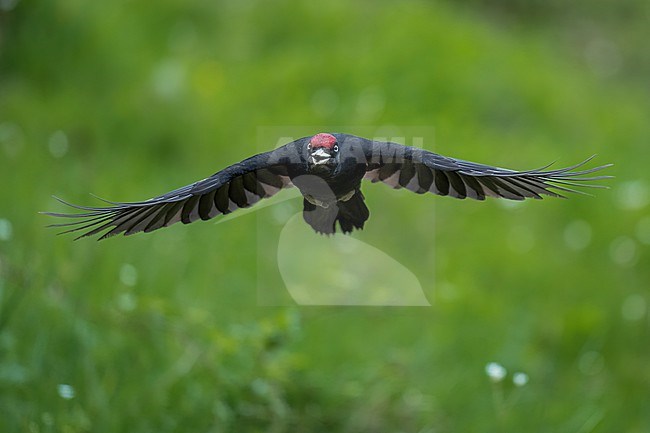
point(328, 170)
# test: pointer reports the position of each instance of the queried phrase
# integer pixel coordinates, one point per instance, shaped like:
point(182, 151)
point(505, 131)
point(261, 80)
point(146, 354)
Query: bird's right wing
point(237, 186)
point(422, 171)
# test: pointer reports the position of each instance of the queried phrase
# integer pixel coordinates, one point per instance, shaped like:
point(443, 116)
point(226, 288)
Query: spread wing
point(238, 186)
point(422, 171)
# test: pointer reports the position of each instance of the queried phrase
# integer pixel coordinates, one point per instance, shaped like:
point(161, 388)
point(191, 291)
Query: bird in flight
point(328, 170)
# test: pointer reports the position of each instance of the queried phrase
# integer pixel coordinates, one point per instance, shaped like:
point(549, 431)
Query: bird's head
point(323, 150)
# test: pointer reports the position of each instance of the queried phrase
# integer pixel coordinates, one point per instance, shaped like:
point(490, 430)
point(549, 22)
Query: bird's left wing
point(237, 186)
point(422, 171)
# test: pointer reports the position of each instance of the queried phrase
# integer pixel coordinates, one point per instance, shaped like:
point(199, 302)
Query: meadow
point(538, 317)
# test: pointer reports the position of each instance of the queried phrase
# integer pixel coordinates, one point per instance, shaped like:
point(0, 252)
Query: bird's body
point(328, 169)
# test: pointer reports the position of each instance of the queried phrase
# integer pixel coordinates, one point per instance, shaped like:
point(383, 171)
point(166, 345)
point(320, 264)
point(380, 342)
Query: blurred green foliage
point(164, 332)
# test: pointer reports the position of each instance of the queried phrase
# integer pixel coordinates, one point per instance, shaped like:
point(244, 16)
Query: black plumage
point(328, 170)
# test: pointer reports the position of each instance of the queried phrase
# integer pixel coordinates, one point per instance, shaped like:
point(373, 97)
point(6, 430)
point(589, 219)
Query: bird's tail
point(350, 214)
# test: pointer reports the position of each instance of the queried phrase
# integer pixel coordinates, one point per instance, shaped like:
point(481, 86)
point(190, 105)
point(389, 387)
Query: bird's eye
point(309, 147)
point(336, 148)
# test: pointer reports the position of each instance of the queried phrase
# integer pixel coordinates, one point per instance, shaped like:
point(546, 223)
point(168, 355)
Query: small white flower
point(520, 379)
point(65, 391)
point(495, 371)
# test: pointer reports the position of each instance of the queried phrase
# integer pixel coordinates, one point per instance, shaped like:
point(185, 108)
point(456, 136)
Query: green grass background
point(165, 332)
